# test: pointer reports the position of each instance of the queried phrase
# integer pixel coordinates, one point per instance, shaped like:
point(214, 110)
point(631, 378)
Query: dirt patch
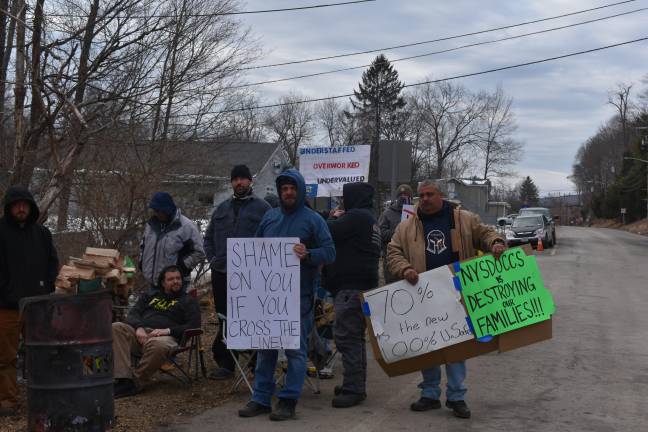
point(169, 400)
point(638, 227)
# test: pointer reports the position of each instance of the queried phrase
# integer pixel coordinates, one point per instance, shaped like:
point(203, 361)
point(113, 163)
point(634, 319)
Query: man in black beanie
point(236, 217)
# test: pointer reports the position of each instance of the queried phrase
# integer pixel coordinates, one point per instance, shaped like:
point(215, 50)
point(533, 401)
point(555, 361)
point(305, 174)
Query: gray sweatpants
point(350, 340)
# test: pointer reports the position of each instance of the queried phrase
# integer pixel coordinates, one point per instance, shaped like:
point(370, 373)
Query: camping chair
point(195, 361)
point(244, 368)
point(324, 360)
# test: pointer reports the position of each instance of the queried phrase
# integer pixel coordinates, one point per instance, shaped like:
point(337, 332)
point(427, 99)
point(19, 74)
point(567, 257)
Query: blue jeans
point(264, 376)
point(455, 374)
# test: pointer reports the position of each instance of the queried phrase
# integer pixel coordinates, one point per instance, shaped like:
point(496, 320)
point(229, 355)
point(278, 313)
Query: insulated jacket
point(311, 229)
point(407, 247)
point(389, 220)
point(177, 311)
point(28, 260)
point(357, 242)
point(175, 243)
point(225, 224)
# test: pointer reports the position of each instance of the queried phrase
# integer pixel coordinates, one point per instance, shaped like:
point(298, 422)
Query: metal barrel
point(68, 340)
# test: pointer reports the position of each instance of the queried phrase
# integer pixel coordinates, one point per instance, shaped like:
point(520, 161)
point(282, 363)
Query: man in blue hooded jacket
point(291, 219)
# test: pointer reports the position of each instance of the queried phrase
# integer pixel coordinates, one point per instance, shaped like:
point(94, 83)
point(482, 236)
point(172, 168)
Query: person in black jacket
point(357, 243)
point(28, 267)
point(152, 329)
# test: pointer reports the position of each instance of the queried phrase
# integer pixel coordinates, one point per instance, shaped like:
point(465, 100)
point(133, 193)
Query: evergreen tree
point(376, 100)
point(529, 192)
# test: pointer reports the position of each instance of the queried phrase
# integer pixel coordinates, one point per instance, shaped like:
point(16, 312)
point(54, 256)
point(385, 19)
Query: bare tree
point(291, 124)
point(499, 148)
point(451, 115)
point(619, 98)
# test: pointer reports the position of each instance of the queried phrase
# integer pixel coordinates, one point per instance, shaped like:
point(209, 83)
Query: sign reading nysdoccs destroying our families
point(411, 320)
point(504, 294)
point(327, 169)
point(262, 293)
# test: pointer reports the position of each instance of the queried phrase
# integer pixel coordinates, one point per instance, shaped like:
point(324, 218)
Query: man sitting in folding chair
point(152, 329)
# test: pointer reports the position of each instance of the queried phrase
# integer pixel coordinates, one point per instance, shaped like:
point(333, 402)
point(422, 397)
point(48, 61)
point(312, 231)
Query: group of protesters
point(339, 250)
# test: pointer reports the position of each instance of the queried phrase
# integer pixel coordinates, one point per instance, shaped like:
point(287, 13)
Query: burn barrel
point(68, 340)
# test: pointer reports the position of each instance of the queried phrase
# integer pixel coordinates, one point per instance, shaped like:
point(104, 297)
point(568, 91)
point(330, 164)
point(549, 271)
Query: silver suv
point(528, 211)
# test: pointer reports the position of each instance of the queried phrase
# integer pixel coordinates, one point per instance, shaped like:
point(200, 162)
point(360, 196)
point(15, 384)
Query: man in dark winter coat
point(170, 238)
point(152, 329)
point(357, 245)
point(28, 267)
point(388, 222)
point(236, 217)
point(291, 219)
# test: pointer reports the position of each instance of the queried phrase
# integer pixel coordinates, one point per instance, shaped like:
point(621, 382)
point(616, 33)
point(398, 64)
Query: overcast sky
point(557, 105)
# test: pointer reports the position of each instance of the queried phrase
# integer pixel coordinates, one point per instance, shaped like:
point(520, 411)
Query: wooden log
point(113, 253)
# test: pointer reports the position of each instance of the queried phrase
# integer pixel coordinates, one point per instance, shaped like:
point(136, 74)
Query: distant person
point(439, 234)
point(388, 222)
point(236, 217)
point(272, 199)
point(291, 219)
point(152, 330)
point(169, 238)
point(357, 244)
point(28, 267)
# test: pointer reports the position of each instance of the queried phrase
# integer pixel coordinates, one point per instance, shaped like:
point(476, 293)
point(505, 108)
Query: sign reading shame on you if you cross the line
point(262, 293)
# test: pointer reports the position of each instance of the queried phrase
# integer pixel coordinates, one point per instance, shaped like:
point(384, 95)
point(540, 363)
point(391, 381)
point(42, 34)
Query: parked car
point(544, 212)
point(506, 220)
point(528, 229)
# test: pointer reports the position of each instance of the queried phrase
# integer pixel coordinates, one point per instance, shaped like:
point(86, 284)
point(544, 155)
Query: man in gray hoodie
point(388, 222)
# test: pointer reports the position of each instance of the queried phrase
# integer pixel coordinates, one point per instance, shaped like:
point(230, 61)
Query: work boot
point(459, 408)
point(8, 411)
point(425, 404)
point(338, 390)
point(221, 374)
point(253, 409)
point(284, 410)
point(125, 388)
point(346, 399)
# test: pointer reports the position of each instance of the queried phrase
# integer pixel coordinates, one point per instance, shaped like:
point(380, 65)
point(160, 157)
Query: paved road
point(592, 376)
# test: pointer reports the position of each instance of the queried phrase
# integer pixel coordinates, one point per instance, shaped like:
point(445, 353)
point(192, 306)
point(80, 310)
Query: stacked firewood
point(105, 267)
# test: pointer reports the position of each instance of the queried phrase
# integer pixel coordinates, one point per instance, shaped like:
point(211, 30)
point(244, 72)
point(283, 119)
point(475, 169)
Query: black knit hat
point(241, 171)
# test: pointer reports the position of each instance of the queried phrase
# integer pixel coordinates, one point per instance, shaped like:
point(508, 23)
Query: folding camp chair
point(245, 368)
point(191, 344)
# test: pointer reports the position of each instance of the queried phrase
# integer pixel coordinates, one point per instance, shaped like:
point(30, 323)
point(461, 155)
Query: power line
point(439, 39)
point(299, 8)
point(437, 80)
point(272, 81)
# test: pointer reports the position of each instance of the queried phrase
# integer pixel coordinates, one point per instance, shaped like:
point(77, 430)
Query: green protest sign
point(505, 294)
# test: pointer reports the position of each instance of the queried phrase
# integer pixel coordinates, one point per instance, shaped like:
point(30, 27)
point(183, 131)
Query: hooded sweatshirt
point(176, 311)
point(302, 222)
point(28, 260)
point(357, 242)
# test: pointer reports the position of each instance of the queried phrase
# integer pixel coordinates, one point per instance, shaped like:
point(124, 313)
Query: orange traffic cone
point(540, 247)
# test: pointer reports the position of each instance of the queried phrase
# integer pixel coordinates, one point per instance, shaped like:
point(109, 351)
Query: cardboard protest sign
point(408, 212)
point(262, 293)
point(505, 294)
point(412, 320)
point(327, 169)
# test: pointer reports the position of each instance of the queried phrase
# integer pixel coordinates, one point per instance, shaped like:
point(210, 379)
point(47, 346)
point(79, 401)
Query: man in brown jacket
point(439, 234)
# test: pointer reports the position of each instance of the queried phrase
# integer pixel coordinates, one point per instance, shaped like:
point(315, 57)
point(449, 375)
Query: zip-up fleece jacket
point(28, 260)
point(178, 243)
point(357, 242)
point(312, 231)
point(178, 312)
point(407, 247)
point(224, 224)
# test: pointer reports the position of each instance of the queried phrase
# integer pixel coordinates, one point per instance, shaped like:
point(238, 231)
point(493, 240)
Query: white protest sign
point(408, 212)
point(412, 320)
point(262, 293)
point(329, 168)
